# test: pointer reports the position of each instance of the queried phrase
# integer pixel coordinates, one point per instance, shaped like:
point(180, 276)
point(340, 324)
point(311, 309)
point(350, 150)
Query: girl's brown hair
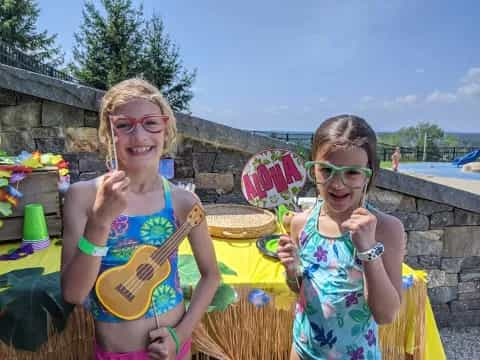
point(346, 131)
point(122, 93)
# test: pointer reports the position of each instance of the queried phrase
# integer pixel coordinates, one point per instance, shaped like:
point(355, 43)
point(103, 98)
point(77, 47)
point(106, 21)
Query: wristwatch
point(371, 254)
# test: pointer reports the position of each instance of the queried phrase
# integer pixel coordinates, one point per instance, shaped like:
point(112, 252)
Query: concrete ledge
point(225, 136)
point(424, 189)
point(46, 87)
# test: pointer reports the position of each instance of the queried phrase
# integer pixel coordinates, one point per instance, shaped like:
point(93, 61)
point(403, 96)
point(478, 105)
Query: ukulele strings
point(134, 282)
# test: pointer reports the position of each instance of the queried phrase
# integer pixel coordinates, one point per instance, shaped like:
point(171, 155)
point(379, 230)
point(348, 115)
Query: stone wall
point(442, 224)
point(442, 227)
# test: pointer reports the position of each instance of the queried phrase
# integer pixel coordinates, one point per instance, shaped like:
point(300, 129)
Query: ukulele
point(126, 290)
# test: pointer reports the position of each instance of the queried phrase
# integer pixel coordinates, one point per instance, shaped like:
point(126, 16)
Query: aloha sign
point(273, 177)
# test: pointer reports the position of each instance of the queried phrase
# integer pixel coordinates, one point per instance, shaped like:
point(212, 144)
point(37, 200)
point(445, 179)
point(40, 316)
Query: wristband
point(372, 254)
point(174, 336)
point(91, 249)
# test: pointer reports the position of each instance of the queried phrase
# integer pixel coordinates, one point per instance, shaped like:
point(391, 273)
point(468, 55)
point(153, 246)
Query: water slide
point(465, 159)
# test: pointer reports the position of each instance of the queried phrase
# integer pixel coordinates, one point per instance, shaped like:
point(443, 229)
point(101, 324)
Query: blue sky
point(285, 65)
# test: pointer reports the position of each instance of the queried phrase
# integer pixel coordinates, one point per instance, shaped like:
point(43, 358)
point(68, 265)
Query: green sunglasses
point(352, 176)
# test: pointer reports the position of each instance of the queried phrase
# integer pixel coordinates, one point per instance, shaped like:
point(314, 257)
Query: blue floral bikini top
point(126, 234)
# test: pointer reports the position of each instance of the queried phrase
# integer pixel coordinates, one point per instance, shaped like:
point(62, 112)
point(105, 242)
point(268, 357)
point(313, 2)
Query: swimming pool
point(437, 169)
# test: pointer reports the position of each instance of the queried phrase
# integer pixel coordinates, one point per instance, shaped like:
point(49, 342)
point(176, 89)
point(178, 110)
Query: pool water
point(442, 169)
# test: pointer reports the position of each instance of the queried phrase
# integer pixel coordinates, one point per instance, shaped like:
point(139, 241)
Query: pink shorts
point(137, 355)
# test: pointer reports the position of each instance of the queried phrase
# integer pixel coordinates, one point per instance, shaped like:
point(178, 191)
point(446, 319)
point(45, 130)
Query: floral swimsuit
point(332, 318)
point(126, 234)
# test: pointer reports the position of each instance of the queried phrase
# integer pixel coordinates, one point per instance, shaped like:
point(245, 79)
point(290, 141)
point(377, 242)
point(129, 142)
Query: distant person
point(396, 156)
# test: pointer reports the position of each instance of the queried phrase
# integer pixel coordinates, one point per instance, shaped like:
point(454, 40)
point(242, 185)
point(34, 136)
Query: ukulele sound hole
point(145, 272)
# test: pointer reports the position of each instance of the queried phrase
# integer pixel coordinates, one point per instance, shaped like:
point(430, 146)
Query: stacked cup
point(35, 230)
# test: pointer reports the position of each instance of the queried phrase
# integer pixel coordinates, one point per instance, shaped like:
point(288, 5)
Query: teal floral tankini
point(332, 318)
point(126, 234)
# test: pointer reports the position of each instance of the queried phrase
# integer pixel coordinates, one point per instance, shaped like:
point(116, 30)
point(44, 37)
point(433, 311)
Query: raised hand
point(362, 225)
point(287, 252)
point(111, 197)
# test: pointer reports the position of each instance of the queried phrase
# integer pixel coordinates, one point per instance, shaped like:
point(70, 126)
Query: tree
point(162, 66)
point(18, 28)
point(122, 44)
point(414, 137)
point(107, 48)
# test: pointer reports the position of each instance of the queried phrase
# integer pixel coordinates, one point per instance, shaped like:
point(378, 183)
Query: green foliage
point(31, 304)
point(162, 66)
point(414, 136)
point(190, 275)
point(121, 44)
point(18, 28)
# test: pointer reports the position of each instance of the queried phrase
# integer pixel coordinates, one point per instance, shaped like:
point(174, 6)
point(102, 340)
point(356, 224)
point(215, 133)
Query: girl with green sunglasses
point(343, 256)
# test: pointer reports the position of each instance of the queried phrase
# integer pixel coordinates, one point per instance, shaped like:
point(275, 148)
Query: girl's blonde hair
point(122, 93)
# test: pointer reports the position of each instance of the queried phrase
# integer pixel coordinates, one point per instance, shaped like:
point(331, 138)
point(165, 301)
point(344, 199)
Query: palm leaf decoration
point(31, 304)
point(190, 275)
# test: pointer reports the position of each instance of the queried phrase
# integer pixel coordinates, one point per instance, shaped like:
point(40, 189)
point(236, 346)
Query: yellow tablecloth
point(257, 270)
point(253, 270)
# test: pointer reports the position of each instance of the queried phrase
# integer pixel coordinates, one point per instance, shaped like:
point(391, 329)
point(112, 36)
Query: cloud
point(441, 97)
point(473, 75)
point(470, 83)
point(419, 70)
point(322, 100)
point(407, 99)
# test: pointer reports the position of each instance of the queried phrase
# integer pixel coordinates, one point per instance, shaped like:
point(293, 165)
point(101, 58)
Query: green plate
point(268, 245)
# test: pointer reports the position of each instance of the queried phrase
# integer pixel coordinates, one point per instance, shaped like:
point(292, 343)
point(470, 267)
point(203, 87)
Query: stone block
point(465, 318)
point(442, 295)
point(463, 217)
point(469, 290)
point(184, 172)
point(452, 265)
point(56, 114)
point(91, 119)
point(437, 278)
point(202, 147)
point(464, 305)
point(230, 161)
point(92, 165)
point(427, 207)
point(234, 197)
point(471, 264)
point(390, 201)
point(461, 241)
point(208, 196)
point(425, 243)
point(14, 142)
point(441, 219)
point(413, 221)
point(442, 314)
point(429, 262)
point(25, 115)
point(81, 140)
point(412, 261)
point(222, 183)
point(469, 276)
point(52, 145)
point(47, 132)
point(7, 98)
point(204, 162)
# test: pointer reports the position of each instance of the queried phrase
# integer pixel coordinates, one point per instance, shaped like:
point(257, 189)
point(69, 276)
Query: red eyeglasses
point(126, 124)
